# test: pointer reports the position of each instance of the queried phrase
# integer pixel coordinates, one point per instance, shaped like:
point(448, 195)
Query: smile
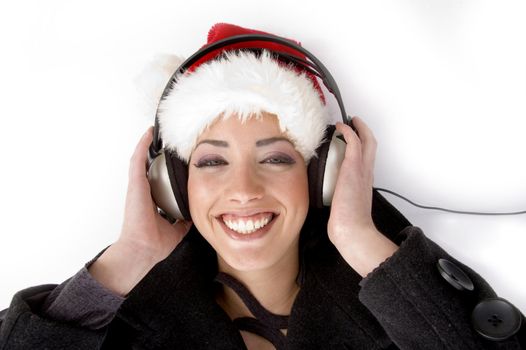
point(247, 224)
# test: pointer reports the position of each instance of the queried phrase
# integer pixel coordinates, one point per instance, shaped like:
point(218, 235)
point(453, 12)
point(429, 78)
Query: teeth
point(247, 226)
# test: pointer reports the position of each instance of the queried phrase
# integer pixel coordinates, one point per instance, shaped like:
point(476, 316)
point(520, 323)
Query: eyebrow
point(217, 143)
point(270, 140)
point(259, 143)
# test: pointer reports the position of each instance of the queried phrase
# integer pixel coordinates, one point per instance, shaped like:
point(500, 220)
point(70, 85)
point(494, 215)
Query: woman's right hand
point(146, 237)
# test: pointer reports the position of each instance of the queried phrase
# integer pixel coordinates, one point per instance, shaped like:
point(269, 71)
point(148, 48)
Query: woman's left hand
point(351, 228)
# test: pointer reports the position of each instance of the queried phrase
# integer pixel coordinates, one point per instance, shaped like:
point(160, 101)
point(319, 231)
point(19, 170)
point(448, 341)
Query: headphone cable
point(448, 210)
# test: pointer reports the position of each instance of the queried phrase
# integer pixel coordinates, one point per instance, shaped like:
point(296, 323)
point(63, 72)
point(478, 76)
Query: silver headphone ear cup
point(333, 163)
point(161, 187)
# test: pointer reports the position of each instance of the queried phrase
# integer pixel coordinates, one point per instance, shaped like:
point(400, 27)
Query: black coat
point(405, 303)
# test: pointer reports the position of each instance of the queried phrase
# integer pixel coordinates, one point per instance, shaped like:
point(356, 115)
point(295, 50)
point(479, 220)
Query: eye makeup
point(210, 161)
point(276, 151)
point(278, 158)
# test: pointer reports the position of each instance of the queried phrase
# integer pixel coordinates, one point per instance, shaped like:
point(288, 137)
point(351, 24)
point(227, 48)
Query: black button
point(454, 275)
point(496, 319)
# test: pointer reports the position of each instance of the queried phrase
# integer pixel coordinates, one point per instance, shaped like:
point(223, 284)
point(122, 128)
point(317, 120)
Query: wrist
point(121, 267)
point(365, 250)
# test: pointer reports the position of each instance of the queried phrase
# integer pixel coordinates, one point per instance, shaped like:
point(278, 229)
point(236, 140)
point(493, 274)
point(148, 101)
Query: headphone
point(168, 173)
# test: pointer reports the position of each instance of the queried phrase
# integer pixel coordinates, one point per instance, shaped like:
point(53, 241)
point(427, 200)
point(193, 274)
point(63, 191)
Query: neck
point(274, 287)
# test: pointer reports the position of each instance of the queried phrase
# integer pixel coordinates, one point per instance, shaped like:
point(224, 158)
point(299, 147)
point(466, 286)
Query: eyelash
point(213, 162)
point(273, 160)
point(277, 160)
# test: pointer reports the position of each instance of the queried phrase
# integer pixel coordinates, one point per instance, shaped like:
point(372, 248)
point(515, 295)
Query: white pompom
point(151, 82)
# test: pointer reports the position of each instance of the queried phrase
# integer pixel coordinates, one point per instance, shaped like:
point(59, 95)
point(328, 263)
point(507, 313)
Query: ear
point(151, 82)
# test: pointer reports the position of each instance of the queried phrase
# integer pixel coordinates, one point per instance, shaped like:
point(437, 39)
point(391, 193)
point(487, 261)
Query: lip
point(247, 212)
point(249, 236)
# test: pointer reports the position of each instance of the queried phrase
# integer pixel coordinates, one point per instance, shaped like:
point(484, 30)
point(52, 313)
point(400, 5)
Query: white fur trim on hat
point(242, 84)
point(150, 82)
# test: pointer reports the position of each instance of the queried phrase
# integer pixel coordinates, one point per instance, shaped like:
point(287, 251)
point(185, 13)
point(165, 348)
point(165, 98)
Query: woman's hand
point(144, 228)
point(350, 227)
point(146, 238)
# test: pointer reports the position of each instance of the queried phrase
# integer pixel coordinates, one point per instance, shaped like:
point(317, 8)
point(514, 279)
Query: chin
point(247, 262)
point(261, 250)
point(259, 258)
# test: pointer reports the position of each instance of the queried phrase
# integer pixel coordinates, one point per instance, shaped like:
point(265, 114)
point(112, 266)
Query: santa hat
point(233, 82)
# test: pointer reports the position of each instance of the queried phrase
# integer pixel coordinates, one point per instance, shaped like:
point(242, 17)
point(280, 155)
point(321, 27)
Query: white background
point(442, 84)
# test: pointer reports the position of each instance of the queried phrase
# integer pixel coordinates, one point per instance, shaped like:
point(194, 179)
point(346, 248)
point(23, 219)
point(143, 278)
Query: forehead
point(253, 127)
point(254, 131)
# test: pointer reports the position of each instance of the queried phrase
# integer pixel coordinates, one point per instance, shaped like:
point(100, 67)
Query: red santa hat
point(232, 82)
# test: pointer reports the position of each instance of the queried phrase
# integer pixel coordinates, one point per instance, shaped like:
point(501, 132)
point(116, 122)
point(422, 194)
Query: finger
point(353, 150)
point(139, 159)
point(138, 193)
point(360, 153)
point(368, 141)
point(366, 134)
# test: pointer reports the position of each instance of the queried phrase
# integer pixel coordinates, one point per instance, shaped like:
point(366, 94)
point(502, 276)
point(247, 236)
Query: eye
point(279, 159)
point(210, 162)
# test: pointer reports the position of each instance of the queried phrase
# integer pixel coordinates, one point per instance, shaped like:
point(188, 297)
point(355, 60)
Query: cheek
point(203, 193)
point(199, 202)
point(300, 184)
point(301, 189)
point(301, 195)
point(293, 190)
point(198, 195)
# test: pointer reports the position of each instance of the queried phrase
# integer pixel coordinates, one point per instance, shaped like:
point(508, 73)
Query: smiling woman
point(248, 195)
point(252, 180)
point(257, 263)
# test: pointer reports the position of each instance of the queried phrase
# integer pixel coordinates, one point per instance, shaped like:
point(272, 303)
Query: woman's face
point(248, 192)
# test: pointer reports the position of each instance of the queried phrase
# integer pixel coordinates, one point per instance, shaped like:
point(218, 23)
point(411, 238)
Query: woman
point(258, 267)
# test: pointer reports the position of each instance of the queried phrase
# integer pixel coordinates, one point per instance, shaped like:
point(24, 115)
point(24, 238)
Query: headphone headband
point(316, 67)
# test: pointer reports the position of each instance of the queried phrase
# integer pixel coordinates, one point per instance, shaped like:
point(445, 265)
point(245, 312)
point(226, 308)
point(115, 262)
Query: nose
point(245, 185)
